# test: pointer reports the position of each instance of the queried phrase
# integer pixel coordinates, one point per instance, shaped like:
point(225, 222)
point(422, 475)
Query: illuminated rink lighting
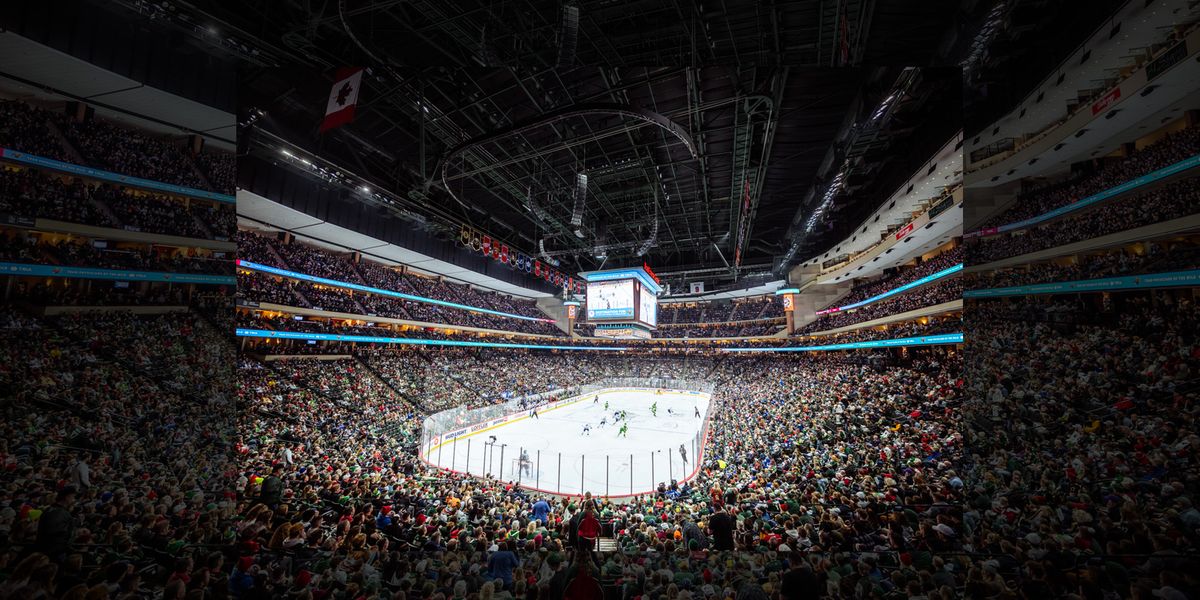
point(564, 460)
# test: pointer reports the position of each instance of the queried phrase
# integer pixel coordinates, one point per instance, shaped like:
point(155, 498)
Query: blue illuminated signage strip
point(925, 340)
point(905, 287)
point(1127, 282)
point(617, 274)
point(28, 270)
point(948, 338)
point(363, 288)
point(332, 337)
point(610, 313)
point(82, 171)
point(1134, 183)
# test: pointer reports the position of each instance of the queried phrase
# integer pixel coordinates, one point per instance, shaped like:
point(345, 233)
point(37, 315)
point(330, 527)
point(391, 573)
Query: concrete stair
point(203, 226)
point(106, 210)
point(301, 299)
point(75, 155)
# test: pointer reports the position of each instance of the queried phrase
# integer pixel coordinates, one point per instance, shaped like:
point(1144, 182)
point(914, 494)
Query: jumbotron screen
point(610, 300)
point(648, 313)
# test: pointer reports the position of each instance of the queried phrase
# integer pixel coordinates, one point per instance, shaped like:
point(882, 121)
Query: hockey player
point(587, 429)
point(534, 414)
point(624, 432)
point(606, 406)
point(683, 453)
point(697, 411)
point(603, 421)
point(654, 409)
point(527, 465)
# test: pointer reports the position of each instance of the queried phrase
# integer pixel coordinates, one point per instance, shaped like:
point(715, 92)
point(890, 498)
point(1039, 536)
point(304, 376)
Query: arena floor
point(601, 462)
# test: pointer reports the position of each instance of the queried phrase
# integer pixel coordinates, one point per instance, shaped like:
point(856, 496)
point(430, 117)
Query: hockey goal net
point(518, 469)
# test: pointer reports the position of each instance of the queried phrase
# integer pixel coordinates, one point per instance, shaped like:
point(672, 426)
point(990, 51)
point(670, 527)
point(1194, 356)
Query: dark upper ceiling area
point(1017, 45)
point(733, 205)
point(709, 170)
point(616, 33)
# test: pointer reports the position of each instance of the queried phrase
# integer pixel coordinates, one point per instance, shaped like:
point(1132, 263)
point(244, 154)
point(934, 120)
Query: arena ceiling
point(1017, 44)
point(734, 200)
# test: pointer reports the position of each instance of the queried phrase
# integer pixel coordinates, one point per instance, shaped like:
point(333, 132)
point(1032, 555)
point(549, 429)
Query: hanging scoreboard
point(623, 296)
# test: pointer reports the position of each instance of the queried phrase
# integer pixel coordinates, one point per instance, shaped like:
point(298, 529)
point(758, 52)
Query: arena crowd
point(1105, 174)
point(112, 146)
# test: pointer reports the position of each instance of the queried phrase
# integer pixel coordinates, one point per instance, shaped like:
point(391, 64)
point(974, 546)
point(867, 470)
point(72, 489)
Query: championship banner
point(464, 236)
point(487, 245)
point(504, 253)
point(476, 241)
point(537, 268)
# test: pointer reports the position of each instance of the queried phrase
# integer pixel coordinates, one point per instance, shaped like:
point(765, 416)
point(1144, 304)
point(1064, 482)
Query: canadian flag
point(342, 98)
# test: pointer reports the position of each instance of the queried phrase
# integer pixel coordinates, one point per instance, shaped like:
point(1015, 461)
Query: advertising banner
point(22, 269)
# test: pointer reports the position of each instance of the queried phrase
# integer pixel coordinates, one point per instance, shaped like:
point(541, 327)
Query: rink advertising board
point(450, 436)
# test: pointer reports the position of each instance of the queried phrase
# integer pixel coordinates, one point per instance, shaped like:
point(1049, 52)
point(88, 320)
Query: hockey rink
point(566, 460)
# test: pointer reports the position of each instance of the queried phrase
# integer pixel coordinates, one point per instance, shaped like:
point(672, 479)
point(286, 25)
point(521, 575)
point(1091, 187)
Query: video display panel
point(648, 311)
point(610, 300)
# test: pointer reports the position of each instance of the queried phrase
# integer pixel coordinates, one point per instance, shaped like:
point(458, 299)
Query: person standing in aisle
point(723, 523)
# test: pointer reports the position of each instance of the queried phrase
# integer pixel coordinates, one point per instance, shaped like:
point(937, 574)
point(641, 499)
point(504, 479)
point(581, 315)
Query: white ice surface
point(599, 462)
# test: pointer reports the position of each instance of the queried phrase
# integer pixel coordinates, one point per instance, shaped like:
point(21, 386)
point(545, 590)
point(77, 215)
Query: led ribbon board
point(949, 338)
point(333, 337)
point(925, 340)
point(149, 184)
point(1132, 184)
point(1128, 282)
point(635, 273)
point(900, 290)
point(28, 270)
point(364, 288)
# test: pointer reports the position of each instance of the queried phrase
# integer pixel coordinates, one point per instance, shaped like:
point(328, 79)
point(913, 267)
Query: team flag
point(343, 97)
